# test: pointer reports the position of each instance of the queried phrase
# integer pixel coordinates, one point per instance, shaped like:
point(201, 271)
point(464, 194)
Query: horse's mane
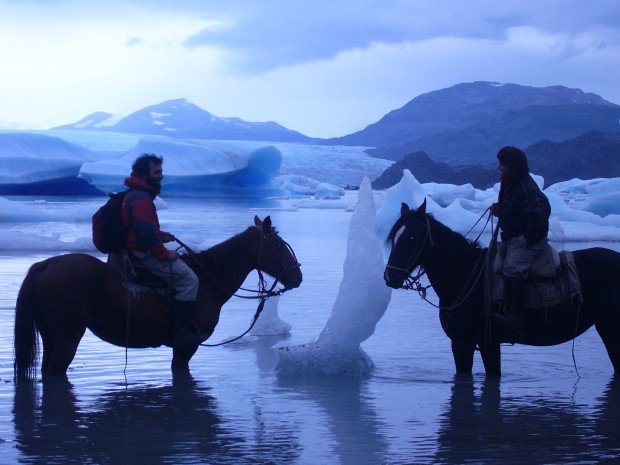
point(224, 254)
point(452, 237)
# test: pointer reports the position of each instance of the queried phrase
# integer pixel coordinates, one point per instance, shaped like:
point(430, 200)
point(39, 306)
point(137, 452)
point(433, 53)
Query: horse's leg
point(181, 357)
point(492, 358)
point(610, 333)
point(463, 357)
point(62, 352)
point(47, 351)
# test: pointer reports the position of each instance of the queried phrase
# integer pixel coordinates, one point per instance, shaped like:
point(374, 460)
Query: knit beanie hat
point(513, 158)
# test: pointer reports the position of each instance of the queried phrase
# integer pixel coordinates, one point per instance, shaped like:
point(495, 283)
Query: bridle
point(413, 283)
point(262, 293)
point(265, 239)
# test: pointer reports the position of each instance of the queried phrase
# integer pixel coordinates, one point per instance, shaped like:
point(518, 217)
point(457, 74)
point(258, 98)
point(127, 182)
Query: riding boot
point(515, 288)
point(184, 331)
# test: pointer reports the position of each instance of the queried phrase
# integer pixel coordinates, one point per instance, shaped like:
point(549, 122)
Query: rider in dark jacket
point(523, 216)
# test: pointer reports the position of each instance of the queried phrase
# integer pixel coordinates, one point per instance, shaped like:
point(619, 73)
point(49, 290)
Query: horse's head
point(275, 255)
point(409, 239)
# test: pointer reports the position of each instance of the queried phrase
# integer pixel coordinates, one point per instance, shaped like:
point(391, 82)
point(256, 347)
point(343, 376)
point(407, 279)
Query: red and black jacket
point(140, 216)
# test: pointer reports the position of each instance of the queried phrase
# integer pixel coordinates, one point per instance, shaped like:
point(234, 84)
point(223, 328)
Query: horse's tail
point(26, 342)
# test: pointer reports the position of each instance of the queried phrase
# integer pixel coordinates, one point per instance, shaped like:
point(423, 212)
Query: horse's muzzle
point(393, 278)
point(292, 279)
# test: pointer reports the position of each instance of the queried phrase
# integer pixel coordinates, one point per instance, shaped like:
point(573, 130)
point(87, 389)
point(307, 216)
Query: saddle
point(135, 276)
point(552, 278)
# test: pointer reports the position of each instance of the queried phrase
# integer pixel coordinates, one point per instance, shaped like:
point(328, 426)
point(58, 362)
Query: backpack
point(109, 232)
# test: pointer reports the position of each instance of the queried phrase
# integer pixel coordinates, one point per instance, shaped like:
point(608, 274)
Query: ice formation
point(269, 322)
point(361, 302)
point(34, 162)
point(52, 160)
point(192, 168)
point(328, 191)
point(570, 201)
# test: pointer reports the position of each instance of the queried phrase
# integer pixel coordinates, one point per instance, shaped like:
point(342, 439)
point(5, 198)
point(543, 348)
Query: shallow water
point(235, 409)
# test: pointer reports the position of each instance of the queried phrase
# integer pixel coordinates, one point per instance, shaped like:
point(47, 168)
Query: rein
point(262, 293)
point(412, 283)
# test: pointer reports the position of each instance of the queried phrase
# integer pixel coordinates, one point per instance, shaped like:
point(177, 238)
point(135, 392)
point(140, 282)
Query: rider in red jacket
point(145, 241)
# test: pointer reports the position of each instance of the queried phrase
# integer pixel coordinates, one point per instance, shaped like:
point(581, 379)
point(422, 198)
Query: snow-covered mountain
point(182, 119)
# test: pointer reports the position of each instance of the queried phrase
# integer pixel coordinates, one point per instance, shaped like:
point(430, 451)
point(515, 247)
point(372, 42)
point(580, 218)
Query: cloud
point(133, 41)
point(273, 33)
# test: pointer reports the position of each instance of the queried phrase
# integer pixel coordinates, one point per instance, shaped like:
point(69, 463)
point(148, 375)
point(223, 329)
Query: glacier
point(49, 163)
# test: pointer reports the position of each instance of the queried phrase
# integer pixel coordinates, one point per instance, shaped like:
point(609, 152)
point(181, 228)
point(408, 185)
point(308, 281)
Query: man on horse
point(145, 241)
point(523, 216)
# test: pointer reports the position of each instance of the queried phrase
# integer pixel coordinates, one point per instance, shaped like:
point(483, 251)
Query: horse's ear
point(404, 209)
point(257, 221)
point(422, 208)
point(267, 224)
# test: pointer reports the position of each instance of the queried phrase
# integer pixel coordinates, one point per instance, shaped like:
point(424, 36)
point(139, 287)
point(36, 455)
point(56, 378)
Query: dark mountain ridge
point(458, 107)
point(594, 154)
point(478, 143)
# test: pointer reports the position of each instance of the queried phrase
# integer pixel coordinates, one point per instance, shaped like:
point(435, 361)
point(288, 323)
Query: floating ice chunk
point(605, 186)
point(407, 190)
point(539, 180)
point(461, 220)
point(297, 186)
point(360, 304)
point(25, 241)
point(603, 205)
point(328, 191)
point(556, 231)
point(36, 211)
point(445, 194)
point(342, 204)
point(269, 322)
point(576, 186)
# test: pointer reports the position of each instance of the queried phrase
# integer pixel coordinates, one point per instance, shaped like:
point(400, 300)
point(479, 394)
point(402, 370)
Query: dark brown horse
point(450, 261)
point(62, 296)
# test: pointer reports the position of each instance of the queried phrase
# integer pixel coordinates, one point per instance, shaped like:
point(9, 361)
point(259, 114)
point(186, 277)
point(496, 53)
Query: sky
point(325, 68)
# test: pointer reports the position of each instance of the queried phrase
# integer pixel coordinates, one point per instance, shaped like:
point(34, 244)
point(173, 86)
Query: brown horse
point(62, 296)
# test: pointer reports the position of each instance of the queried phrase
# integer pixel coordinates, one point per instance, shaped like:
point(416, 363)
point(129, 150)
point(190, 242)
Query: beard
point(154, 183)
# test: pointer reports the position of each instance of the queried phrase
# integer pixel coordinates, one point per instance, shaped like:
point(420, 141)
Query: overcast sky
point(322, 67)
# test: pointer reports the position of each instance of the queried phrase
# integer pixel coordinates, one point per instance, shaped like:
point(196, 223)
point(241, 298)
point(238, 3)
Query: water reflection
point(351, 416)
point(178, 423)
point(488, 427)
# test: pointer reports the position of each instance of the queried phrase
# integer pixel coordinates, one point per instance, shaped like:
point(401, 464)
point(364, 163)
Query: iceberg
point(48, 163)
point(603, 205)
point(568, 222)
point(41, 164)
point(361, 302)
point(192, 168)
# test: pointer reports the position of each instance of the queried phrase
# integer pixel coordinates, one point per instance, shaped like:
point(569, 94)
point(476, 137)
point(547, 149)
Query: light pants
point(520, 257)
point(176, 273)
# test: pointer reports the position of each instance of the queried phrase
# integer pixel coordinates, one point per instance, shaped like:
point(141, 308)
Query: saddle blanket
point(541, 291)
point(135, 276)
